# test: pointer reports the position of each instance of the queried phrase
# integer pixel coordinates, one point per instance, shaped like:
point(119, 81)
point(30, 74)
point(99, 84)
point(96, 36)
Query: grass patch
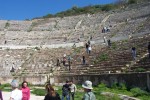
point(115, 88)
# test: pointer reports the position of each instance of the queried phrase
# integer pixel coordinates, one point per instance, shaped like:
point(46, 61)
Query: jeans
point(87, 50)
point(67, 97)
point(134, 54)
point(72, 95)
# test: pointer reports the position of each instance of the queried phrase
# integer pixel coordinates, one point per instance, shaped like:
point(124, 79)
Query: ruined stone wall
point(131, 80)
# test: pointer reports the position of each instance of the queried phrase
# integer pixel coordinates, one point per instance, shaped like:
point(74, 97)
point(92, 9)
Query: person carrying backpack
point(89, 95)
point(66, 91)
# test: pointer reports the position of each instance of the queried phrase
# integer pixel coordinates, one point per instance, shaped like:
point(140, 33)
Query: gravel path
point(6, 96)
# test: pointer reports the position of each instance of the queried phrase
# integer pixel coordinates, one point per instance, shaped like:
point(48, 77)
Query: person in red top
point(25, 91)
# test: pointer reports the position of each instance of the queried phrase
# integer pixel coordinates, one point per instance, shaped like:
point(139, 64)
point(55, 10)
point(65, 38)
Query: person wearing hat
point(16, 94)
point(89, 95)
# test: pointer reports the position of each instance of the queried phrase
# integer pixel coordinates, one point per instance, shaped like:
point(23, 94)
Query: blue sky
point(28, 9)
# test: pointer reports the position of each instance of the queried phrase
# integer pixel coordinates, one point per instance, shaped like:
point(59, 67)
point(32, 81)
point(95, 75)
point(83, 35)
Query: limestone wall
point(131, 80)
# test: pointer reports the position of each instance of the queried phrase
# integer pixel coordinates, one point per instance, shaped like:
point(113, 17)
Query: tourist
point(134, 53)
point(91, 37)
point(74, 45)
point(149, 49)
point(79, 39)
point(73, 89)
point(109, 42)
point(25, 91)
point(89, 42)
point(16, 94)
point(130, 36)
point(104, 30)
point(89, 49)
point(108, 29)
point(65, 91)
point(69, 62)
point(51, 94)
point(1, 96)
point(83, 60)
point(64, 61)
point(58, 62)
point(87, 46)
point(89, 95)
point(104, 39)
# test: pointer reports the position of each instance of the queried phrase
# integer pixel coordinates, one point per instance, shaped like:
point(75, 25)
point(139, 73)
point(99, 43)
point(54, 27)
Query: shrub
point(37, 48)
point(5, 85)
point(140, 70)
point(123, 86)
point(7, 25)
point(102, 87)
point(115, 85)
point(103, 57)
point(107, 7)
point(132, 1)
point(138, 92)
point(114, 45)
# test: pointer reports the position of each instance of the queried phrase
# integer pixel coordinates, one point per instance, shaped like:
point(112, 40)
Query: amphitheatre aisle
point(32, 47)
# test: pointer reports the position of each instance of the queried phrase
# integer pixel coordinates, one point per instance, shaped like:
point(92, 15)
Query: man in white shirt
point(16, 94)
point(73, 89)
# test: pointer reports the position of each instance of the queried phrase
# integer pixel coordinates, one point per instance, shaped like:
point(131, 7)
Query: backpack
point(65, 90)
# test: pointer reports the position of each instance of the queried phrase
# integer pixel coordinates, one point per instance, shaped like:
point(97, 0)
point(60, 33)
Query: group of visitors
point(64, 60)
point(20, 94)
point(17, 93)
point(105, 29)
point(68, 91)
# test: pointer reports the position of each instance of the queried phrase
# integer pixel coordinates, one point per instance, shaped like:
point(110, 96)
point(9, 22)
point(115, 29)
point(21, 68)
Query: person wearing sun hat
point(89, 95)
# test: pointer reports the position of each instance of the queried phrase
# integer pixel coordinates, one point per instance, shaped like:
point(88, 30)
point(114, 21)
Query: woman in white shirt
point(16, 94)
